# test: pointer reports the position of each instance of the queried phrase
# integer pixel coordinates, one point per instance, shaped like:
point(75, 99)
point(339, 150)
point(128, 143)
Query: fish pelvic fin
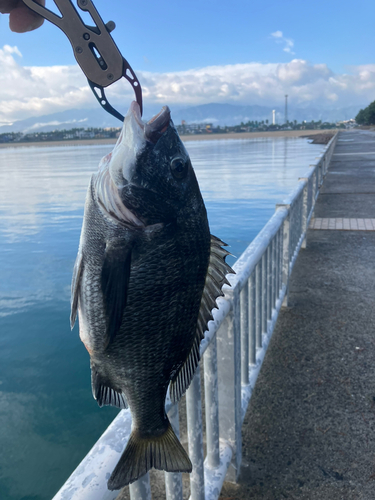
point(163, 452)
point(104, 393)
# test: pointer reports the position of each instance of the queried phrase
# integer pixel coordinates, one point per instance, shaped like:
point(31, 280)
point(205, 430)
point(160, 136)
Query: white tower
point(273, 117)
point(286, 109)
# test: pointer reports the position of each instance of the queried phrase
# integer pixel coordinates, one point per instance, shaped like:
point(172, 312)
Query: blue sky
point(179, 35)
point(334, 39)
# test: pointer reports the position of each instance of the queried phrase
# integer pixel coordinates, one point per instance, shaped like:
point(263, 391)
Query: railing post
point(258, 302)
point(274, 272)
point(244, 303)
point(269, 284)
point(304, 209)
point(173, 481)
point(264, 291)
point(310, 194)
point(229, 383)
point(313, 187)
point(278, 252)
point(252, 319)
point(195, 437)
point(320, 171)
point(141, 489)
point(286, 254)
point(212, 404)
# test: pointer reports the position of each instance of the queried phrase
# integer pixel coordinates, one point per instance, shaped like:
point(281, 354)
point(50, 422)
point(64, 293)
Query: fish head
point(152, 171)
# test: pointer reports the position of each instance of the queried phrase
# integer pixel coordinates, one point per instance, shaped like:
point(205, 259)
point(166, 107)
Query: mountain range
point(217, 114)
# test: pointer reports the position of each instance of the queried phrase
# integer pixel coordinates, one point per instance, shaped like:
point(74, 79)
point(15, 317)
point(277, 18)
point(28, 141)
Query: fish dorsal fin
point(215, 279)
point(77, 273)
point(104, 393)
point(115, 280)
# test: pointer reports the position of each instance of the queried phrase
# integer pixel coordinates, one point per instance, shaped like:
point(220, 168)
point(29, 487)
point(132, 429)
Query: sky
point(188, 53)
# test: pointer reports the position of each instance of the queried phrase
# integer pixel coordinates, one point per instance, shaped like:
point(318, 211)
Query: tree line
point(254, 126)
point(366, 116)
point(61, 135)
point(203, 128)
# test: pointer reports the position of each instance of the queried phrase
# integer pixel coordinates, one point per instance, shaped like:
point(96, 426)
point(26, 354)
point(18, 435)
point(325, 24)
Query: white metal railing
point(234, 348)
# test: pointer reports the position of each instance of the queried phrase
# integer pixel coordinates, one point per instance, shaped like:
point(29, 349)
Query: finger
point(7, 5)
point(23, 19)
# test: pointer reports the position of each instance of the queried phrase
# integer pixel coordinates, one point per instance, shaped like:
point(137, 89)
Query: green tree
point(366, 116)
point(361, 117)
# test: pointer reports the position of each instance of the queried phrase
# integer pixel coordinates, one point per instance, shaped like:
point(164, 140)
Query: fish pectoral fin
point(114, 281)
point(77, 273)
point(163, 452)
point(215, 279)
point(104, 394)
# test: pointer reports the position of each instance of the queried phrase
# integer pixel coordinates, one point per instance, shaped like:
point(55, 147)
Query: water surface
point(48, 418)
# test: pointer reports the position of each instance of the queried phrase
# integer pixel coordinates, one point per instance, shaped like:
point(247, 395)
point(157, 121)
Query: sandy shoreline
point(185, 138)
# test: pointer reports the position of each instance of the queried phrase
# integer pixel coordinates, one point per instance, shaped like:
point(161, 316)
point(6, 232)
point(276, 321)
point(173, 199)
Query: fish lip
point(136, 111)
point(156, 127)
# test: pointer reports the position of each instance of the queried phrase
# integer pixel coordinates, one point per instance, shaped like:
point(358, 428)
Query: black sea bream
point(146, 278)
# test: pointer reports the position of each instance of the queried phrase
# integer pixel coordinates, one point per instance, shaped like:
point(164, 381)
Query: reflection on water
point(242, 180)
point(48, 418)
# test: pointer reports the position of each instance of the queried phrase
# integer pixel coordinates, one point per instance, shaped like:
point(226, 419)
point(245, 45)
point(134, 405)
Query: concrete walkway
point(309, 432)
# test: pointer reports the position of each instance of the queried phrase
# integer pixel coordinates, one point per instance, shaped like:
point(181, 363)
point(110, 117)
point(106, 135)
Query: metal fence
point(234, 348)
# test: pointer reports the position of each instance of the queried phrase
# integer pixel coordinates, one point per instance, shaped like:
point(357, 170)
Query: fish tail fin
point(163, 452)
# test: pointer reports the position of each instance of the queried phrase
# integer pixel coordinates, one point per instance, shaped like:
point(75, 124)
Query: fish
point(145, 281)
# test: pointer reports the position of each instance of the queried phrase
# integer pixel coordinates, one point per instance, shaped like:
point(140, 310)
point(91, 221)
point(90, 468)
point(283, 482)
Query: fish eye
point(179, 167)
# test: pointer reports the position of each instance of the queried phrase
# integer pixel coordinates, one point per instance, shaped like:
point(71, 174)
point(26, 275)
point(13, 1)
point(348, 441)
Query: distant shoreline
point(185, 138)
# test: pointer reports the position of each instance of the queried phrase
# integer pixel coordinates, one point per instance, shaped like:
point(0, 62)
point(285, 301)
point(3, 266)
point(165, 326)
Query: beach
point(185, 138)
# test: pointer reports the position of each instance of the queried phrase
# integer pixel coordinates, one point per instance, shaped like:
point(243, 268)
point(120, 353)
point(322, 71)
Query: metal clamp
point(93, 47)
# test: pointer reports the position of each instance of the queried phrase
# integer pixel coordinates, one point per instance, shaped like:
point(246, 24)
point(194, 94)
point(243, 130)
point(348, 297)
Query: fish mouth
point(136, 112)
point(155, 127)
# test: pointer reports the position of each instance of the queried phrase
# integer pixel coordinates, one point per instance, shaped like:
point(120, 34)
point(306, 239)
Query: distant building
point(194, 128)
point(347, 123)
point(85, 134)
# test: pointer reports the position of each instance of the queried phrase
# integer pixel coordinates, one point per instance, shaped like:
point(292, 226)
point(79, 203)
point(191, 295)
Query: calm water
point(48, 418)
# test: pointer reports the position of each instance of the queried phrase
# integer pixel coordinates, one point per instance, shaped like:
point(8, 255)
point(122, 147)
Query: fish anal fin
point(184, 376)
point(215, 279)
point(104, 393)
point(115, 280)
point(77, 273)
point(163, 452)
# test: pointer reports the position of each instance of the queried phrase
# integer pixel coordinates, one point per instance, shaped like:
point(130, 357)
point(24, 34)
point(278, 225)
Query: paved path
point(309, 432)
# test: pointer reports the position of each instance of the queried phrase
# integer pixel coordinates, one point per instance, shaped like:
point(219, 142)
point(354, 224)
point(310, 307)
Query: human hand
point(21, 18)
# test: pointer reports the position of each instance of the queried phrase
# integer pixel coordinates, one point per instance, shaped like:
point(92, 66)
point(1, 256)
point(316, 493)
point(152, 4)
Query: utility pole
point(286, 109)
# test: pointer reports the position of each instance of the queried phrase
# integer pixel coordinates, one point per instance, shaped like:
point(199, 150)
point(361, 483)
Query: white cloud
point(54, 123)
point(287, 42)
point(37, 91)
